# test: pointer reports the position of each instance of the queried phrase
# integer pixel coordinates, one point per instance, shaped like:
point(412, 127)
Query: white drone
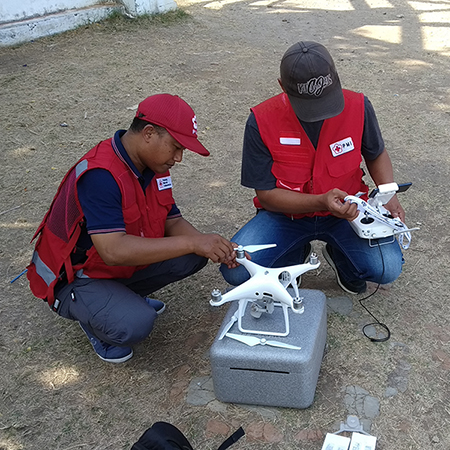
point(266, 289)
point(374, 221)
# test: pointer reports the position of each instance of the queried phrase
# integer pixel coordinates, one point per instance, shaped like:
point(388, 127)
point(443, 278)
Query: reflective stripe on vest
point(81, 167)
point(42, 269)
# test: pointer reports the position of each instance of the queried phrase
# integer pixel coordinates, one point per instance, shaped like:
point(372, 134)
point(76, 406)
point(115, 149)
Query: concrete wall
point(25, 20)
point(13, 10)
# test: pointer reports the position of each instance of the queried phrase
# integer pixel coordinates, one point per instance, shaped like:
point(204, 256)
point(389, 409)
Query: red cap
point(176, 116)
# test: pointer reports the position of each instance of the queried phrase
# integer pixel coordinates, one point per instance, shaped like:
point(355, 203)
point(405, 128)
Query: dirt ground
point(59, 96)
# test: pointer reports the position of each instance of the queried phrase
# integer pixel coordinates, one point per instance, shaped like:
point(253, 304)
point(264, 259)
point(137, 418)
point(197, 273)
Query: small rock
point(359, 403)
point(200, 391)
point(272, 434)
point(260, 431)
point(215, 427)
point(309, 435)
point(390, 392)
point(255, 431)
point(371, 407)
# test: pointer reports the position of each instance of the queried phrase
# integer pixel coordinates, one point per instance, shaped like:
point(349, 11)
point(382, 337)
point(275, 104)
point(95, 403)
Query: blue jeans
point(378, 260)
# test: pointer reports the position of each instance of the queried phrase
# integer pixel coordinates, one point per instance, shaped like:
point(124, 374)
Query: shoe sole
point(116, 360)
point(160, 311)
point(327, 256)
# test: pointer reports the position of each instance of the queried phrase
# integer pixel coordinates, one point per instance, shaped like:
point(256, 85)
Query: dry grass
point(55, 393)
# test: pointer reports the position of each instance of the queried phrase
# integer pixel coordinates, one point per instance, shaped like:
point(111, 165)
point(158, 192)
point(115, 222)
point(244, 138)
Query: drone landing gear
point(265, 305)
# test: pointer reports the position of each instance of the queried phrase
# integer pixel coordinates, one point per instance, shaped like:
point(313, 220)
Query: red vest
point(144, 215)
point(297, 165)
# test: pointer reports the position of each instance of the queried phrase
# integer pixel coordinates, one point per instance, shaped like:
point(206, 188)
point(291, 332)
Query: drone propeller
point(252, 341)
point(255, 248)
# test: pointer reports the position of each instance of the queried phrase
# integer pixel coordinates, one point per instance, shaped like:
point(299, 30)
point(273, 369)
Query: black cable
point(377, 323)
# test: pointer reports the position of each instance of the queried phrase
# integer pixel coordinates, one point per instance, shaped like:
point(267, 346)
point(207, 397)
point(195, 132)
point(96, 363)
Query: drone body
point(266, 287)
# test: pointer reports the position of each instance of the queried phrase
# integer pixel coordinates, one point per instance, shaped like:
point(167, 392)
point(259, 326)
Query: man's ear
point(281, 85)
point(148, 131)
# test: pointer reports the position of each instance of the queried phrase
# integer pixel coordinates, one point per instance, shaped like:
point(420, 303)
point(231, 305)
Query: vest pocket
point(165, 197)
point(344, 164)
point(347, 176)
point(292, 165)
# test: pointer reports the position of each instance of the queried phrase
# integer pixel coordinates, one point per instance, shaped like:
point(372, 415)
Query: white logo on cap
point(315, 86)
point(194, 124)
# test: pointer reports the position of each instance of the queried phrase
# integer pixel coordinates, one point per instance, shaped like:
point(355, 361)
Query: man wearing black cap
point(114, 234)
point(302, 154)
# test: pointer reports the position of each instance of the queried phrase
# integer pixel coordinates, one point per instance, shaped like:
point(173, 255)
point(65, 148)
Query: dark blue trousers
point(115, 310)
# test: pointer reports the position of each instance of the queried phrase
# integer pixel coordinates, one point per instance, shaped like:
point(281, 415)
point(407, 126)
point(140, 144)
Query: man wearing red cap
point(302, 154)
point(114, 234)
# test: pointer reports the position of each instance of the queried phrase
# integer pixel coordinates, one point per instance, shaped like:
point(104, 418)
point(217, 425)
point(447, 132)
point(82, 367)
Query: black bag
point(164, 436)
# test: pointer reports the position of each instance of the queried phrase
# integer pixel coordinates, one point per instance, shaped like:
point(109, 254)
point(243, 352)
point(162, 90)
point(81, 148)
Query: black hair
point(138, 125)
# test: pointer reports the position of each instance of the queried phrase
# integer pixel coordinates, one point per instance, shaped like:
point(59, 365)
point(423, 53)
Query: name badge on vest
point(341, 147)
point(164, 183)
point(289, 141)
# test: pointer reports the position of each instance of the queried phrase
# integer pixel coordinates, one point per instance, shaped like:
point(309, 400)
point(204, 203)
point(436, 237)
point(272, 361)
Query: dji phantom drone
point(374, 221)
point(266, 289)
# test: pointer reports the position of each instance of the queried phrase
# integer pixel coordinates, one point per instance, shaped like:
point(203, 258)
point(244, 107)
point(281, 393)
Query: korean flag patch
point(164, 183)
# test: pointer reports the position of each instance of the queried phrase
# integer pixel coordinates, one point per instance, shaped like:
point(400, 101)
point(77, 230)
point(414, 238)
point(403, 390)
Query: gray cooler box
point(266, 375)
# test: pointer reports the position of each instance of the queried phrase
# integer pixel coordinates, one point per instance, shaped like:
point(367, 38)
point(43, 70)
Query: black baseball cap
point(311, 82)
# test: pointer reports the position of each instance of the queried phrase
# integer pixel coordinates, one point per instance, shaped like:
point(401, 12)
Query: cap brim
point(189, 142)
point(315, 109)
